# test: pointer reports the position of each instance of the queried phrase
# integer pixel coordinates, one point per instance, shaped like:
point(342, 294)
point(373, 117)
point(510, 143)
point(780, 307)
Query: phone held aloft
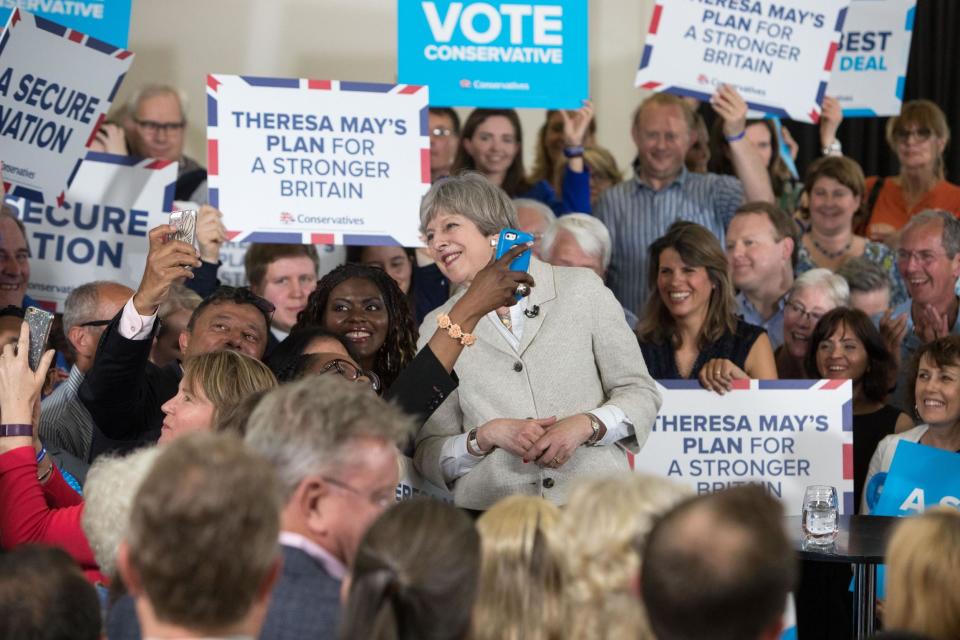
point(39, 322)
point(186, 225)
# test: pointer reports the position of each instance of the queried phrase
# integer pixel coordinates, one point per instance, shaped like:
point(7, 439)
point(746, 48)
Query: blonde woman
point(604, 523)
point(520, 594)
point(923, 562)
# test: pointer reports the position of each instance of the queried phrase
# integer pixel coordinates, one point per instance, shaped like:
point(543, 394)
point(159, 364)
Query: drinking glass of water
point(820, 514)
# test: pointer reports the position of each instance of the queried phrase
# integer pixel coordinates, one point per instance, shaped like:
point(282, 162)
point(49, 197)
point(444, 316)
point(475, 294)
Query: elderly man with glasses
point(123, 390)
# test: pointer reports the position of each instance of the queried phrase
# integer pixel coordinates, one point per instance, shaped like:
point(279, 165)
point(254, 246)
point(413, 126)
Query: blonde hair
point(520, 595)
point(605, 521)
point(226, 378)
point(923, 561)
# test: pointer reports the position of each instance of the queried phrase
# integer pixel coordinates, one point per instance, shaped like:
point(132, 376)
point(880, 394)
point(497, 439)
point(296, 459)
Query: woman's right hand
point(515, 436)
point(494, 286)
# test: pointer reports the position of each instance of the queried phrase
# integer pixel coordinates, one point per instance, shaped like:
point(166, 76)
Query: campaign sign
point(233, 272)
point(782, 434)
point(107, 20)
point(317, 161)
point(871, 68)
point(919, 478)
point(496, 54)
point(56, 84)
point(777, 54)
point(412, 484)
point(100, 230)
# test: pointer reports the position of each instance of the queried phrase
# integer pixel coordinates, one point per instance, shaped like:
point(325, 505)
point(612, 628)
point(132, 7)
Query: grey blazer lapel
point(544, 291)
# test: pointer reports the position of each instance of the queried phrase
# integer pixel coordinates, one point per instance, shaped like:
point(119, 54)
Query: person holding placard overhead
point(690, 327)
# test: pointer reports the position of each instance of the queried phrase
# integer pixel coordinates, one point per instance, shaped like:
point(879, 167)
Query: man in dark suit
point(334, 445)
point(124, 391)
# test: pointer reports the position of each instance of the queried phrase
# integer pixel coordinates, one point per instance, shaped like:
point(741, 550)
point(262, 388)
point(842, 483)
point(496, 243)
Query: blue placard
point(107, 20)
point(495, 54)
point(919, 478)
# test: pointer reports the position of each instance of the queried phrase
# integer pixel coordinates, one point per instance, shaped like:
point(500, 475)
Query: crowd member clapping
point(524, 409)
point(689, 328)
point(414, 576)
point(846, 345)
point(812, 295)
point(835, 190)
point(365, 306)
point(522, 576)
point(918, 136)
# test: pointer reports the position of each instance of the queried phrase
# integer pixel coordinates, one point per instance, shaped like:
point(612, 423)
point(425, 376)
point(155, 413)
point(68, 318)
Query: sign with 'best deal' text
point(777, 54)
point(782, 434)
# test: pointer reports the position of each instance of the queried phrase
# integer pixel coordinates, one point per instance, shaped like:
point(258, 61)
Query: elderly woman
point(835, 191)
point(548, 386)
point(935, 394)
point(918, 137)
point(812, 295)
point(689, 328)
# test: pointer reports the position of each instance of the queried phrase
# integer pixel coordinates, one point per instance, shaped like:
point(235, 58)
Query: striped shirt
point(637, 215)
point(64, 421)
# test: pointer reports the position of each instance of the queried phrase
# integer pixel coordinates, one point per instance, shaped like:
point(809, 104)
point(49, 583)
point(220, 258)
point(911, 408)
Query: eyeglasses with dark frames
point(351, 372)
point(157, 127)
point(95, 323)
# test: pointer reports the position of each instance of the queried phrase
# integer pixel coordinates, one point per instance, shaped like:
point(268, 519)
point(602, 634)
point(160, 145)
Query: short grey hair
point(864, 275)
point(549, 217)
point(472, 196)
point(111, 485)
point(307, 427)
point(179, 298)
point(832, 284)
point(589, 232)
point(81, 305)
point(951, 228)
point(152, 90)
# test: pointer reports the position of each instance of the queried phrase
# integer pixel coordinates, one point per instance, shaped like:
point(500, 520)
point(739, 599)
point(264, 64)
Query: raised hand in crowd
point(211, 233)
point(20, 388)
point(575, 127)
point(110, 139)
point(831, 115)
point(718, 374)
point(168, 261)
point(746, 160)
point(893, 330)
point(931, 324)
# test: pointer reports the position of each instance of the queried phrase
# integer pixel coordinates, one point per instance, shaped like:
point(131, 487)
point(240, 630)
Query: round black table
point(862, 542)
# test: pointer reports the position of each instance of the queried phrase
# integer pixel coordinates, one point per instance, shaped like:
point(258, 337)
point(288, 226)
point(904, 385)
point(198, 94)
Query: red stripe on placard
point(323, 85)
point(655, 20)
point(410, 89)
point(6, 186)
point(212, 82)
point(848, 462)
point(630, 460)
point(321, 238)
point(814, 116)
point(833, 384)
point(74, 36)
point(16, 17)
point(158, 164)
point(831, 54)
point(425, 166)
point(123, 55)
point(742, 385)
point(650, 85)
point(213, 161)
point(61, 199)
point(96, 129)
point(233, 234)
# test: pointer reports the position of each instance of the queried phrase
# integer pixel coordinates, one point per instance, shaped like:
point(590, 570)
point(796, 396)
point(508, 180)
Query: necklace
point(832, 255)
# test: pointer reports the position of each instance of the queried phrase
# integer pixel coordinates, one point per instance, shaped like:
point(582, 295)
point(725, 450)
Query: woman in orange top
point(918, 136)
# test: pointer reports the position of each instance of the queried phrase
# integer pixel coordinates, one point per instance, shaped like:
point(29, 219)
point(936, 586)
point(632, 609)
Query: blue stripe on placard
point(275, 237)
point(211, 111)
point(29, 194)
point(841, 18)
point(116, 87)
point(110, 158)
point(425, 121)
point(4, 37)
point(680, 384)
point(859, 113)
point(73, 174)
point(901, 83)
point(213, 195)
point(787, 384)
point(100, 45)
point(372, 241)
point(169, 193)
point(848, 503)
point(645, 58)
point(911, 14)
point(821, 91)
point(50, 26)
point(370, 87)
point(847, 412)
point(283, 83)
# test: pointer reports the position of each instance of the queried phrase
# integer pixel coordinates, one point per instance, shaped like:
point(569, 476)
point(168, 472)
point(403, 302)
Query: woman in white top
point(936, 398)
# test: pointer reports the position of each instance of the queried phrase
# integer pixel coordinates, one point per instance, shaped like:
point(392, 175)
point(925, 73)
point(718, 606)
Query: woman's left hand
point(560, 441)
point(575, 124)
point(718, 375)
point(19, 386)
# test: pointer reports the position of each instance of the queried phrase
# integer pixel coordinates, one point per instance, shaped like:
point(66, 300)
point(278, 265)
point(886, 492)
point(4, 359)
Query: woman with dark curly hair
point(366, 307)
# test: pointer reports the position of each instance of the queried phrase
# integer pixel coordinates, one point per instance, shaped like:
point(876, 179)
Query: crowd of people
point(203, 460)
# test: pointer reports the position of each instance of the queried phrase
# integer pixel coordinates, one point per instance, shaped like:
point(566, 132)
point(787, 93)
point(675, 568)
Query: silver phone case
point(39, 322)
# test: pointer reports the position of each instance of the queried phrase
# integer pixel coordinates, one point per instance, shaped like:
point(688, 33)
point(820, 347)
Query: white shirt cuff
point(455, 460)
point(134, 326)
point(616, 422)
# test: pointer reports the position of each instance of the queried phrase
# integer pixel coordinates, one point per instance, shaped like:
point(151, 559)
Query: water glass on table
point(821, 515)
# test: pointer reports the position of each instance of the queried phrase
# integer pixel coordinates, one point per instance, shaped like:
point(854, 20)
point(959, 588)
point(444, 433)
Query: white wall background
point(178, 42)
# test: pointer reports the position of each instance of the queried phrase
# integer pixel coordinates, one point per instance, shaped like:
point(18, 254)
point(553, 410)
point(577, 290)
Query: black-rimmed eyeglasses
point(352, 372)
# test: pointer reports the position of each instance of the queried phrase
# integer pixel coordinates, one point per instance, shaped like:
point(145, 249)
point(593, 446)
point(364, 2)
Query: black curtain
point(933, 72)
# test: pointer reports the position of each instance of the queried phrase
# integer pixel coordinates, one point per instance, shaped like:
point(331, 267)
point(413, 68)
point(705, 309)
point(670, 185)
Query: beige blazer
point(577, 354)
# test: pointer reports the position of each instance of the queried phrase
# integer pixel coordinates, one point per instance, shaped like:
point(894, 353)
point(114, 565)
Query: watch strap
point(7, 430)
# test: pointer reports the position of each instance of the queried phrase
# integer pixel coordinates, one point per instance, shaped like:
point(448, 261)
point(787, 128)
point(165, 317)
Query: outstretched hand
point(167, 262)
point(495, 285)
point(19, 386)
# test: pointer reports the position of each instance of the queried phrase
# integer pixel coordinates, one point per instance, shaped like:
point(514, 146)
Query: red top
point(891, 208)
point(45, 514)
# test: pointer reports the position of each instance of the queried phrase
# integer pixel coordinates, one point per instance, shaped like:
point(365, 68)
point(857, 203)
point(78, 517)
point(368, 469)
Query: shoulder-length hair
point(875, 381)
point(226, 378)
point(515, 183)
point(845, 171)
point(945, 352)
point(698, 247)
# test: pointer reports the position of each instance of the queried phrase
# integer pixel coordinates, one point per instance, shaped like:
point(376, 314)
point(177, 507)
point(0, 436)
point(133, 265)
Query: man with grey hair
point(64, 421)
point(929, 261)
point(869, 285)
point(535, 218)
point(335, 447)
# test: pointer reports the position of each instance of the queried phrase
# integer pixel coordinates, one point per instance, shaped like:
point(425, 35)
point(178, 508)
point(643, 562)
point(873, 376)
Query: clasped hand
point(545, 441)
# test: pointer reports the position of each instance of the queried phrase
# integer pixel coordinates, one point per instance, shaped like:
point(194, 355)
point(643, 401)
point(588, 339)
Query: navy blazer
point(305, 603)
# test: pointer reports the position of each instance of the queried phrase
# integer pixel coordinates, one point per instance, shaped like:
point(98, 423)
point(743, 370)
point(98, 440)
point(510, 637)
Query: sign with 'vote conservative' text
point(495, 54)
point(781, 434)
point(107, 20)
point(56, 84)
point(317, 161)
point(777, 53)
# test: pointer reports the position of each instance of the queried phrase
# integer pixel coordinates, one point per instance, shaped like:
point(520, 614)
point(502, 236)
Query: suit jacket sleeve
point(422, 386)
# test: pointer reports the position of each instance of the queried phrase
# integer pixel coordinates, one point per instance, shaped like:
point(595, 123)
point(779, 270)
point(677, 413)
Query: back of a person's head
point(605, 522)
point(202, 545)
point(923, 575)
point(44, 596)
point(522, 572)
point(718, 567)
point(414, 576)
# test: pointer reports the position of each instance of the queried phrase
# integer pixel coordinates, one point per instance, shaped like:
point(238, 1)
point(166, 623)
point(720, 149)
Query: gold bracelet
point(455, 332)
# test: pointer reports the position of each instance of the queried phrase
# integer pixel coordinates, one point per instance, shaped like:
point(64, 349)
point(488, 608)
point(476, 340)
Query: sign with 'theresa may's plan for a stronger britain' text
point(495, 54)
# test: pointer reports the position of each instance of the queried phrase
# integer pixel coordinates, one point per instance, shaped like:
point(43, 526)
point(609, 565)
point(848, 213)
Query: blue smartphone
point(510, 238)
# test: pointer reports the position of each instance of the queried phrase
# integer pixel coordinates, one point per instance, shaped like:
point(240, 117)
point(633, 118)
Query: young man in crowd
point(284, 274)
point(444, 138)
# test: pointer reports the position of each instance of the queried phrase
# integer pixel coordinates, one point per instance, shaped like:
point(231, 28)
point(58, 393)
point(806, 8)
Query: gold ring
point(556, 460)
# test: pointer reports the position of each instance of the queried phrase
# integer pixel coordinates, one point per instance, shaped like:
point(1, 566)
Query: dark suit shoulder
point(305, 603)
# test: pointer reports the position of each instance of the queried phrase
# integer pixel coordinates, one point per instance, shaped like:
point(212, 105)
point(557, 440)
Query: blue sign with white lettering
point(496, 54)
point(919, 478)
point(107, 20)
